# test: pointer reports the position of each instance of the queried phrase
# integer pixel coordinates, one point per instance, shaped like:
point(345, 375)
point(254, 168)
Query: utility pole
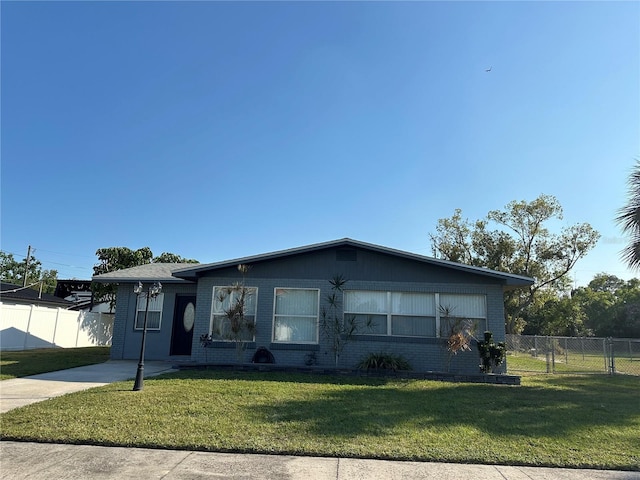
point(26, 267)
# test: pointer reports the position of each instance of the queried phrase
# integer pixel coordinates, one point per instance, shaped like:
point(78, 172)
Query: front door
point(183, 319)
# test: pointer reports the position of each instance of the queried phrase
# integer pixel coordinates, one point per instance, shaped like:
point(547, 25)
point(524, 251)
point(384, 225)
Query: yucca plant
point(337, 328)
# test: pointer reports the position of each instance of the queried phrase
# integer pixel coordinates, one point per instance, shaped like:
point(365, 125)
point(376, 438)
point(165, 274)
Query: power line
point(20, 288)
point(43, 261)
point(67, 254)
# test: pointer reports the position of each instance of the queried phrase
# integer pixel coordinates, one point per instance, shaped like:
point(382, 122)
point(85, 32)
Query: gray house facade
point(401, 302)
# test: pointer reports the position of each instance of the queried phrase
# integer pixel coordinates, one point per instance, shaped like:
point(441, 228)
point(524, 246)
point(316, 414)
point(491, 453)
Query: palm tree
point(629, 219)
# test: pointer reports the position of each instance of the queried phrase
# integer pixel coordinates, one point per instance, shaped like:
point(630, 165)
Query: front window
point(472, 309)
point(295, 315)
point(154, 313)
point(392, 313)
point(414, 314)
point(233, 313)
point(368, 310)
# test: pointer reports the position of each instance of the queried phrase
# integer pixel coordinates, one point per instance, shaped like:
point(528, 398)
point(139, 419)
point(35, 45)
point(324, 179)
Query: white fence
point(24, 327)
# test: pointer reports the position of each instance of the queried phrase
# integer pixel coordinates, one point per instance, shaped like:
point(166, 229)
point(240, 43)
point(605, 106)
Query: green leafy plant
point(491, 354)
point(384, 361)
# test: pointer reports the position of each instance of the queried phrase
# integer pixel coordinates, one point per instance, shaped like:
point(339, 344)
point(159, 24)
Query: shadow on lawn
point(309, 378)
point(539, 411)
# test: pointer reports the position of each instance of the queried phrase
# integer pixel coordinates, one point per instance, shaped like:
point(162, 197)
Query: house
point(402, 303)
point(11, 294)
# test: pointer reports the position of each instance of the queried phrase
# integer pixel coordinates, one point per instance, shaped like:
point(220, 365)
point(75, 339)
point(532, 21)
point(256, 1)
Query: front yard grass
point(566, 421)
point(31, 362)
point(518, 363)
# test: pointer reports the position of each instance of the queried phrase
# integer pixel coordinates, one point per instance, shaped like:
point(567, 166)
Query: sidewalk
point(37, 461)
point(18, 392)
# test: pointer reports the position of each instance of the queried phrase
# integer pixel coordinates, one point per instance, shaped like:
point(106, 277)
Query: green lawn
point(569, 421)
point(31, 362)
point(573, 363)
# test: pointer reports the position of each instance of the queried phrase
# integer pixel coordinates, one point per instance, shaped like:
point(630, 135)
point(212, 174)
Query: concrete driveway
point(18, 392)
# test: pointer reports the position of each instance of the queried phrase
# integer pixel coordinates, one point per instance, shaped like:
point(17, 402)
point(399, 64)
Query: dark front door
point(183, 319)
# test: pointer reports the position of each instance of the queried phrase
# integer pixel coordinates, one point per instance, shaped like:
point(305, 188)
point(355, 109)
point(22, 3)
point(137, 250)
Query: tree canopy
point(14, 271)
point(518, 240)
point(607, 307)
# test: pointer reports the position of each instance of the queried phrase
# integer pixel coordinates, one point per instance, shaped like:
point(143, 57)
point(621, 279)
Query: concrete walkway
point(35, 461)
point(18, 392)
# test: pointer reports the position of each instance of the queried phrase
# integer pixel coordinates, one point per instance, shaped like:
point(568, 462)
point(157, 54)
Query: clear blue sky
point(218, 130)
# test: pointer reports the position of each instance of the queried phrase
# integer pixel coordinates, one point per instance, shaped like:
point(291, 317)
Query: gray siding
point(364, 270)
point(368, 266)
point(127, 341)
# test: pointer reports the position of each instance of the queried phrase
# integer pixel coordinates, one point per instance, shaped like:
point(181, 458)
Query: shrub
point(384, 361)
point(491, 354)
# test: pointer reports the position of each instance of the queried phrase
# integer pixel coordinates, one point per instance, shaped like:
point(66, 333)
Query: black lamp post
point(153, 292)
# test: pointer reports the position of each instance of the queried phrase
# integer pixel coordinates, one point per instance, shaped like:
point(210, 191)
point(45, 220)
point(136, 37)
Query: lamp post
point(153, 292)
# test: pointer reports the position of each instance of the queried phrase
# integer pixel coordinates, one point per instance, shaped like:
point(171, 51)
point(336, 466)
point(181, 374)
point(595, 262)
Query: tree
point(603, 282)
point(521, 244)
point(560, 316)
point(118, 258)
point(623, 317)
point(629, 219)
point(166, 257)
point(610, 306)
point(13, 271)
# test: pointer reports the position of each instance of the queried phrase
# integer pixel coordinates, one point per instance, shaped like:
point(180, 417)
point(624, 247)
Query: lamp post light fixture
point(153, 292)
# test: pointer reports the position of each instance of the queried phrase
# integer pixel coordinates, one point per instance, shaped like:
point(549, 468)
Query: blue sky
point(217, 130)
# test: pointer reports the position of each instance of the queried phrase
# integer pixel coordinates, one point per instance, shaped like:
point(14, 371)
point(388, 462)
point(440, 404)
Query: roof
point(191, 272)
point(156, 272)
point(64, 288)
point(18, 294)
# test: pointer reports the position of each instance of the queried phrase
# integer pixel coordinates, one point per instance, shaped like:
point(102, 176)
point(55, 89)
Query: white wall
point(24, 327)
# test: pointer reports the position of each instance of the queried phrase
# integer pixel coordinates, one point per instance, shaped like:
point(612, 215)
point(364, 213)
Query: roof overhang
point(151, 272)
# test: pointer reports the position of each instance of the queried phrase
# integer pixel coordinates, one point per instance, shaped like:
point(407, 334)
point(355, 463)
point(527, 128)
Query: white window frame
point(214, 314)
point(155, 305)
point(390, 313)
point(315, 317)
point(377, 314)
point(479, 320)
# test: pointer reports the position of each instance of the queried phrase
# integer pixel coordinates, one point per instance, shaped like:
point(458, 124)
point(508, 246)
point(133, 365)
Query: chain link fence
point(532, 353)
